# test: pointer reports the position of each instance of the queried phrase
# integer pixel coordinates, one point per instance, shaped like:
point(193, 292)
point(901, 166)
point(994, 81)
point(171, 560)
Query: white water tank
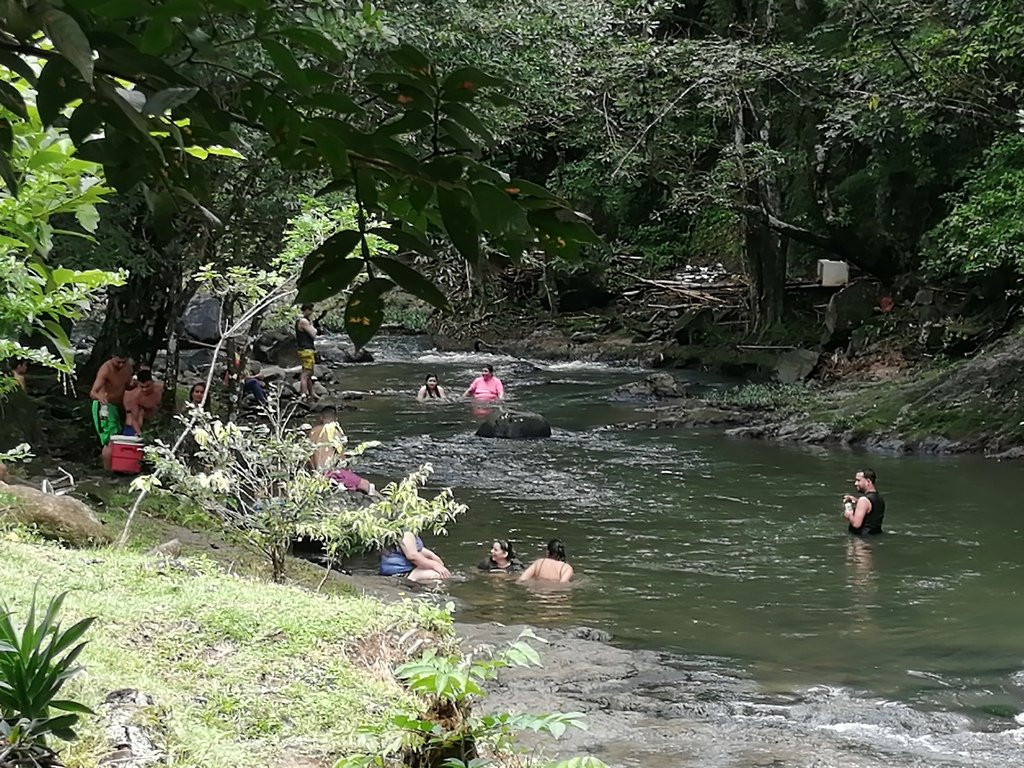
point(832, 273)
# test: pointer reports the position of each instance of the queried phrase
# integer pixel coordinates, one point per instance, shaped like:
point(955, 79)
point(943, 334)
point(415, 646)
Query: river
point(728, 551)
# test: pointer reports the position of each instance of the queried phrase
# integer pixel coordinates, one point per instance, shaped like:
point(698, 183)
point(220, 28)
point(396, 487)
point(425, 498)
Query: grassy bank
point(243, 672)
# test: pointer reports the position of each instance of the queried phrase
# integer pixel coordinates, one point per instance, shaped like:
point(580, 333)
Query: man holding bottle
point(866, 511)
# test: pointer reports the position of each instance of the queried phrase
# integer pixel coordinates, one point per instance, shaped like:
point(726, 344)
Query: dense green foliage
point(764, 134)
point(58, 196)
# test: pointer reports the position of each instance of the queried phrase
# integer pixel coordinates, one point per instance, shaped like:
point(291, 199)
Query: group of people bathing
point(417, 563)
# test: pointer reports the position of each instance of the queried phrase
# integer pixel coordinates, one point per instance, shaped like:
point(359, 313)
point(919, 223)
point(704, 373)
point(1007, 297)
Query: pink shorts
point(346, 478)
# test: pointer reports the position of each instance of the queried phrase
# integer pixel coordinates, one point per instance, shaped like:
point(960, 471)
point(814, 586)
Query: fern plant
point(36, 661)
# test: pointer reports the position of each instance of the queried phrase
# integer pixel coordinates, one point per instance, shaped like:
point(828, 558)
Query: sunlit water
point(706, 546)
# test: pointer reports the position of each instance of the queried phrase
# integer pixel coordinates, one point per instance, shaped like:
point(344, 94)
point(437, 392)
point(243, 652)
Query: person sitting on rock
point(325, 455)
point(430, 389)
point(550, 568)
point(501, 559)
point(143, 400)
point(486, 386)
point(412, 560)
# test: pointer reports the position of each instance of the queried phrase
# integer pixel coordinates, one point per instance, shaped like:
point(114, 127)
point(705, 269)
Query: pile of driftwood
point(682, 306)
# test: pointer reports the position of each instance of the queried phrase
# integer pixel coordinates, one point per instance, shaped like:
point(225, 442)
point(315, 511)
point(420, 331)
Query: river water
point(727, 550)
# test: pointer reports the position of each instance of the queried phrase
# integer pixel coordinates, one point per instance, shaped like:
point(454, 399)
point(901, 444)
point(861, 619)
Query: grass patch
point(243, 672)
point(788, 398)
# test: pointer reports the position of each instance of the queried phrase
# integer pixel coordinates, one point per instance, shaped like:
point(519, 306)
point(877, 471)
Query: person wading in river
point(865, 512)
point(550, 568)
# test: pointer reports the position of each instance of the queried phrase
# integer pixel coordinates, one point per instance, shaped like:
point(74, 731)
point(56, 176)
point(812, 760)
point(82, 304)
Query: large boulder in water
point(514, 425)
point(201, 319)
point(58, 517)
point(654, 387)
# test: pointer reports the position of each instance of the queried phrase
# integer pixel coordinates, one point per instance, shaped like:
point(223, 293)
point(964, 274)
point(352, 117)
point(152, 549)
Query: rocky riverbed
point(661, 711)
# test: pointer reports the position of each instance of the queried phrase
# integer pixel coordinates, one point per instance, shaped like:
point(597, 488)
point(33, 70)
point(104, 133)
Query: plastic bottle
point(848, 507)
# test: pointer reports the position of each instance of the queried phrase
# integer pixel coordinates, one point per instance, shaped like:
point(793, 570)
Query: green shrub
point(35, 662)
point(444, 733)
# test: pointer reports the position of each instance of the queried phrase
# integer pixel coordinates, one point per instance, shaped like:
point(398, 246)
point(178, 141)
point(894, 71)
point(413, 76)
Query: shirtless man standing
point(112, 379)
point(141, 402)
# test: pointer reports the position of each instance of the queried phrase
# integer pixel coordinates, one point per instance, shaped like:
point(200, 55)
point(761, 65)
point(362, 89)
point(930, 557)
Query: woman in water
point(501, 559)
point(430, 389)
point(486, 386)
point(550, 568)
point(412, 560)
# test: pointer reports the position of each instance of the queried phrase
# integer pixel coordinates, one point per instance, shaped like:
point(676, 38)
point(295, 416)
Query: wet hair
point(869, 474)
point(144, 375)
point(17, 362)
point(307, 307)
point(506, 546)
point(432, 392)
point(489, 368)
point(328, 413)
point(556, 549)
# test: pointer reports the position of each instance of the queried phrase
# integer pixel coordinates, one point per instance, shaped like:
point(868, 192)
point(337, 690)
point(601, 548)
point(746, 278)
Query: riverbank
point(221, 668)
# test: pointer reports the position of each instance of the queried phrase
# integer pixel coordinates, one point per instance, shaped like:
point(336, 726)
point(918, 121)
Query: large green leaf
point(412, 121)
point(499, 213)
point(58, 84)
point(287, 67)
point(329, 280)
point(411, 59)
point(6, 135)
point(457, 136)
point(85, 121)
point(69, 39)
point(462, 84)
point(169, 98)
point(313, 41)
point(464, 116)
point(404, 240)
point(338, 246)
point(7, 174)
point(364, 312)
point(10, 98)
point(411, 281)
point(15, 63)
point(460, 223)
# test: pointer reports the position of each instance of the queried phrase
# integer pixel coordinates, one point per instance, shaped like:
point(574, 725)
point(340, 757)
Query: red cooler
point(126, 454)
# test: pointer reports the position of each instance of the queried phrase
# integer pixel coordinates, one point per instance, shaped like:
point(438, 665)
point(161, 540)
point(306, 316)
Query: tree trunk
point(763, 248)
point(139, 317)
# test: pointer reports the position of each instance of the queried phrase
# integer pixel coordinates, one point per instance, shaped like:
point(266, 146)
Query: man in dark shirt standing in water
point(865, 512)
